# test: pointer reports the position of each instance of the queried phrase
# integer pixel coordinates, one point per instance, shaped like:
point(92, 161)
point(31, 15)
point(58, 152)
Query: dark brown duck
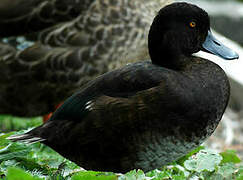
point(146, 114)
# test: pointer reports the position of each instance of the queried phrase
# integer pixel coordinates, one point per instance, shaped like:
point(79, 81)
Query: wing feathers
point(25, 138)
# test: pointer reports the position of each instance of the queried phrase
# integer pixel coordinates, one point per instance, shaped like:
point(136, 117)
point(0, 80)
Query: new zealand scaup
point(146, 114)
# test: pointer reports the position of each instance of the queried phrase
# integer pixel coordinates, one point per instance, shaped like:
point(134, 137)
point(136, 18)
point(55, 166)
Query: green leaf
point(180, 171)
point(92, 175)
point(205, 160)
point(186, 157)
point(131, 175)
point(227, 170)
point(158, 175)
point(10, 123)
point(19, 174)
point(239, 174)
point(230, 156)
point(215, 176)
point(3, 141)
point(13, 150)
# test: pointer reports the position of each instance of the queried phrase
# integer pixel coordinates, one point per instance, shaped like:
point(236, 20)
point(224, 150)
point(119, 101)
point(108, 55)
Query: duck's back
point(140, 116)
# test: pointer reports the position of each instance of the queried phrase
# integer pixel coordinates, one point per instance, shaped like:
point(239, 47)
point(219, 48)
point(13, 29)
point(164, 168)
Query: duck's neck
point(164, 48)
point(167, 54)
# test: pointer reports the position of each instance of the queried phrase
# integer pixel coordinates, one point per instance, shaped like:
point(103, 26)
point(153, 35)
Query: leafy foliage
point(203, 161)
point(8, 123)
point(36, 161)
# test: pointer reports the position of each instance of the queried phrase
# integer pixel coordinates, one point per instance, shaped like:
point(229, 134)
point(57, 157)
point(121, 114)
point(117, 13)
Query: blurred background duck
point(149, 113)
point(49, 48)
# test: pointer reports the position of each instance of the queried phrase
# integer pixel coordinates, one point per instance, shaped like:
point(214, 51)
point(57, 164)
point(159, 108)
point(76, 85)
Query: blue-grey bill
point(214, 46)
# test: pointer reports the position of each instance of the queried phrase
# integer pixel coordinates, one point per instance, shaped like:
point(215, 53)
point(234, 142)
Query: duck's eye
point(192, 24)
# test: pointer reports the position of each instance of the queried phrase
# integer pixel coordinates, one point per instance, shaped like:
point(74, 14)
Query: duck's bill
point(212, 45)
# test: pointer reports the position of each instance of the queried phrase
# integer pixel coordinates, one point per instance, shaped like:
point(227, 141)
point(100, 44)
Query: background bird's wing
point(20, 16)
point(47, 74)
point(66, 56)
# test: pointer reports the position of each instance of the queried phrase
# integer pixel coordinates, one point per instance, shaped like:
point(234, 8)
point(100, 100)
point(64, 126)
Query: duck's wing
point(20, 16)
point(124, 100)
point(122, 96)
point(113, 95)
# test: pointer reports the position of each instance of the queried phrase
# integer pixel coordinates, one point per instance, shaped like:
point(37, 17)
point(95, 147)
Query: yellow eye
point(192, 24)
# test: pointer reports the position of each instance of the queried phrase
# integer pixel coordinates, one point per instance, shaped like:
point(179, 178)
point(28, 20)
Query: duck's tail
point(25, 138)
point(48, 133)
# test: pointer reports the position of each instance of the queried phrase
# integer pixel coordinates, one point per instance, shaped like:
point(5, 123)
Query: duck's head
point(179, 30)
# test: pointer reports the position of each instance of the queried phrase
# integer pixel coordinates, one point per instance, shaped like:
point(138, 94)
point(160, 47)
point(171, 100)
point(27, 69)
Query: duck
point(50, 48)
point(149, 113)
